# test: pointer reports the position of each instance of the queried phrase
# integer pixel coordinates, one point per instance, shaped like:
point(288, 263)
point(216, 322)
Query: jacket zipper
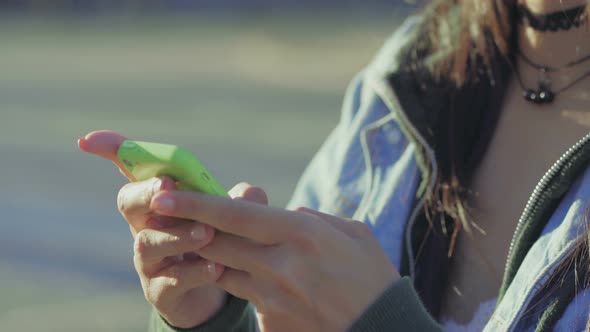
point(535, 199)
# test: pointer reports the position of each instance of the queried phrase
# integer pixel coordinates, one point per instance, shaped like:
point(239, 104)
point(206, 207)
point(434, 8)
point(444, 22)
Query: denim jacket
point(376, 167)
point(376, 164)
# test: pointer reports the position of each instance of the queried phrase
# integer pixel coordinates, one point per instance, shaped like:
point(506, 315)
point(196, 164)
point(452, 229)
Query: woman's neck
point(555, 49)
point(549, 48)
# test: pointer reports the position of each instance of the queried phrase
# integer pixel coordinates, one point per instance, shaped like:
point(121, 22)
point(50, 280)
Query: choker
point(561, 20)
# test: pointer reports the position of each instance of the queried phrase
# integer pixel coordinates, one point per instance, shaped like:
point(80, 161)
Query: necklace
point(544, 94)
point(561, 20)
point(548, 69)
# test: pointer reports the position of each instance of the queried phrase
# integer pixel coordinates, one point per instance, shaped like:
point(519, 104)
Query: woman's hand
point(175, 279)
point(303, 270)
point(179, 283)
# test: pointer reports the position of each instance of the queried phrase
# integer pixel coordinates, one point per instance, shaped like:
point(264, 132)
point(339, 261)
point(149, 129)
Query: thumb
point(105, 144)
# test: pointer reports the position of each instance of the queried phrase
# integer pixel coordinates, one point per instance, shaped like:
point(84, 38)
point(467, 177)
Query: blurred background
point(251, 86)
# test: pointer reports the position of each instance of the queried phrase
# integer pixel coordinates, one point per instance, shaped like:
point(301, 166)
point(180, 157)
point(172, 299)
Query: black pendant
point(530, 95)
point(543, 95)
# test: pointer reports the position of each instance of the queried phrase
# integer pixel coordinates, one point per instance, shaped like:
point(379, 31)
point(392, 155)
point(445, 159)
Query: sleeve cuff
point(398, 309)
point(235, 316)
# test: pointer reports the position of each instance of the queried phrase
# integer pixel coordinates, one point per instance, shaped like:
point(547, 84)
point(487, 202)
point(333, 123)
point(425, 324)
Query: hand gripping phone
point(145, 160)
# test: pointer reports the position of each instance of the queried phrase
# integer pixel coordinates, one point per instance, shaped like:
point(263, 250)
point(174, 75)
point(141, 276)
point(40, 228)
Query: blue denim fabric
point(557, 241)
point(373, 163)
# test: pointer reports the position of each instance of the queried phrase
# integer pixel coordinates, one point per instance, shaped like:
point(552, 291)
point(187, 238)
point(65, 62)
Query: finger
point(254, 221)
point(237, 252)
point(247, 192)
point(178, 278)
point(156, 222)
point(238, 283)
point(151, 247)
point(105, 144)
point(134, 199)
point(350, 227)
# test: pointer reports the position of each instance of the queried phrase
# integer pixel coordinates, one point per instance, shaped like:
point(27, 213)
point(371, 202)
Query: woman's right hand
point(175, 280)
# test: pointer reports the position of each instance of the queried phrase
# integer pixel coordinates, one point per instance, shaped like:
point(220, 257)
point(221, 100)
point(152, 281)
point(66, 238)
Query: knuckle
point(140, 267)
point(176, 272)
point(121, 197)
point(282, 272)
point(210, 271)
point(132, 195)
point(306, 237)
point(178, 242)
point(361, 228)
point(285, 276)
point(302, 209)
point(142, 244)
point(238, 190)
point(152, 293)
point(175, 276)
point(156, 289)
point(256, 194)
point(174, 282)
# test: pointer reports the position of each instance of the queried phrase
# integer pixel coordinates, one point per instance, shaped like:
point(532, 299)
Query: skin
point(303, 270)
point(307, 271)
point(178, 283)
point(542, 134)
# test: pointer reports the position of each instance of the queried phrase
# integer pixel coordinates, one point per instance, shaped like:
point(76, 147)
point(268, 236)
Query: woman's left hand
point(303, 270)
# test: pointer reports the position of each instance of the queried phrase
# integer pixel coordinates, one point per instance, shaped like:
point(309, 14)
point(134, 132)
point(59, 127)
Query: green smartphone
point(144, 160)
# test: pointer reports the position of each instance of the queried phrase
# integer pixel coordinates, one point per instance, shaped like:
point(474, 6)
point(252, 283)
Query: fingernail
point(82, 143)
point(211, 267)
point(198, 232)
point(162, 204)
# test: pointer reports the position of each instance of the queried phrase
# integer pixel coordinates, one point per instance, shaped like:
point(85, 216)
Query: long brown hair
point(461, 42)
point(465, 48)
point(457, 47)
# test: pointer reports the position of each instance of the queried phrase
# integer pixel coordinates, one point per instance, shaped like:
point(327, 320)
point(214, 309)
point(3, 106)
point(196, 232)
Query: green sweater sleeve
point(398, 309)
point(236, 316)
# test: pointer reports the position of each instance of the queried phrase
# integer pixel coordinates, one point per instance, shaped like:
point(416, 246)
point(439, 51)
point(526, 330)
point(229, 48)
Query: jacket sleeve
point(236, 316)
point(397, 309)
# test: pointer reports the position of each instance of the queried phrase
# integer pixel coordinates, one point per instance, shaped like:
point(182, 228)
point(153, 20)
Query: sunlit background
point(252, 87)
